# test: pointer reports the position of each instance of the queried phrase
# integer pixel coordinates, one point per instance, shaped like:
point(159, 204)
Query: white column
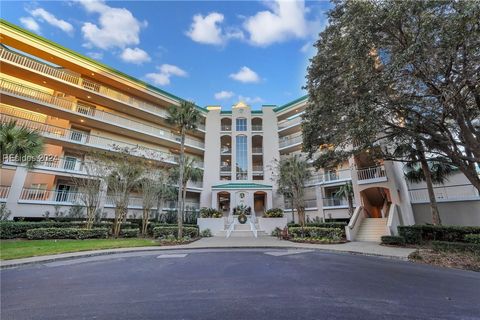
point(16, 189)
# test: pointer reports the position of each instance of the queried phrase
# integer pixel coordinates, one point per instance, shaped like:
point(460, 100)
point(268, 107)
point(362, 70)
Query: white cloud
point(44, 15)
point(95, 55)
point(165, 72)
point(30, 24)
point(222, 95)
point(135, 55)
point(249, 100)
point(245, 75)
point(207, 30)
point(284, 20)
point(117, 27)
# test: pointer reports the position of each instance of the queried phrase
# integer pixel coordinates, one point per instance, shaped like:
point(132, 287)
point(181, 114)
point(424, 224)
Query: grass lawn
point(15, 249)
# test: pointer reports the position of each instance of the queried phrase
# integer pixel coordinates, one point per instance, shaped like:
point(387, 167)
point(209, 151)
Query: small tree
point(19, 142)
point(124, 177)
point(88, 187)
point(147, 187)
point(292, 174)
point(185, 117)
point(346, 191)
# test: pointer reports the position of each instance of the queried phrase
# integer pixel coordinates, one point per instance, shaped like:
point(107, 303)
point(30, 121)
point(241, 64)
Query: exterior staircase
point(372, 229)
point(242, 230)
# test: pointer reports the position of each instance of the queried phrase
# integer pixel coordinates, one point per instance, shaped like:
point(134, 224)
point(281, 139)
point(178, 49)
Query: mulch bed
point(458, 260)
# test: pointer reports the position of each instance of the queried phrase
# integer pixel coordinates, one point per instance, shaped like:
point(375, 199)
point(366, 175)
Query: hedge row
point(152, 226)
point(162, 232)
point(317, 232)
point(393, 240)
point(473, 238)
point(12, 229)
point(419, 234)
point(456, 247)
point(66, 233)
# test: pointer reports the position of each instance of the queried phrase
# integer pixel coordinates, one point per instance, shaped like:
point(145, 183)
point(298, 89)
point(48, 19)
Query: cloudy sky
point(212, 52)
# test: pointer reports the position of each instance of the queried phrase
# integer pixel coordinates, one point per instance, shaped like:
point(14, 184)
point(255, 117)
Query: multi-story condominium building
point(79, 105)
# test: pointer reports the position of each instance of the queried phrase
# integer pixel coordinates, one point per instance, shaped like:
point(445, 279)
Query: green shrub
point(472, 238)
point(317, 232)
point(210, 213)
point(393, 240)
point(419, 234)
point(128, 233)
point(14, 229)
point(206, 233)
point(273, 213)
point(66, 233)
point(456, 247)
point(322, 224)
point(162, 232)
point(152, 226)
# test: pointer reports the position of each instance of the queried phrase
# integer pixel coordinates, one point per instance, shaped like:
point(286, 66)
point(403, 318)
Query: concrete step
point(372, 229)
point(241, 227)
point(242, 233)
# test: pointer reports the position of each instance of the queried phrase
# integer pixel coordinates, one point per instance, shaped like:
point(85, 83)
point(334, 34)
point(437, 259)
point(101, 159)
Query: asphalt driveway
point(238, 284)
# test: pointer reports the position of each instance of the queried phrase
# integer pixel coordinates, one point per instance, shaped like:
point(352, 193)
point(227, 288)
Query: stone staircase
point(372, 229)
point(242, 230)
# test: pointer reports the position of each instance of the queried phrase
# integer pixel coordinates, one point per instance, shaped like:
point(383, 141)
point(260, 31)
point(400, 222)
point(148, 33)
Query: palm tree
point(185, 117)
point(346, 191)
point(292, 174)
point(191, 173)
point(19, 142)
point(429, 171)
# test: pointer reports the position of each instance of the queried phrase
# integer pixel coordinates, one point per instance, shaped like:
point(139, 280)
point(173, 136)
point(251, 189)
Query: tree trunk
point(90, 216)
point(428, 180)
point(159, 206)
point(350, 205)
point(145, 221)
point(180, 180)
point(184, 195)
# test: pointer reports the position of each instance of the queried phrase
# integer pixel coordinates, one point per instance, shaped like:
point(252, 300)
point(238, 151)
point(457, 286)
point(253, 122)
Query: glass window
point(242, 158)
point(241, 124)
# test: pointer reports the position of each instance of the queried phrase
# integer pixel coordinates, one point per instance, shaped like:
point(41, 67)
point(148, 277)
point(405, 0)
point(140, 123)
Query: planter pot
point(214, 224)
point(270, 224)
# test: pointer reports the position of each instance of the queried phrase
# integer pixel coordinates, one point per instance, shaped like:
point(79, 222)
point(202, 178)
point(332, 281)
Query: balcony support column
point(319, 198)
point(16, 190)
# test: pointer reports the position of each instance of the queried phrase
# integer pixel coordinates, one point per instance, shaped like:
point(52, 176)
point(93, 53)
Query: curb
point(6, 265)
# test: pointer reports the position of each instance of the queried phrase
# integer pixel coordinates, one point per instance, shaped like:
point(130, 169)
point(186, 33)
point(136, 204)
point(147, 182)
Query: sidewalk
point(364, 248)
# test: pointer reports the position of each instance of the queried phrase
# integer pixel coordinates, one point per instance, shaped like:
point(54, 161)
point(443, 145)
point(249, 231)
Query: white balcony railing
point(226, 128)
point(289, 141)
point(257, 150)
point(54, 196)
point(62, 164)
point(464, 192)
point(226, 169)
point(330, 176)
point(4, 191)
point(21, 90)
point(289, 123)
point(335, 202)
point(256, 168)
point(309, 204)
point(87, 139)
point(257, 127)
point(371, 174)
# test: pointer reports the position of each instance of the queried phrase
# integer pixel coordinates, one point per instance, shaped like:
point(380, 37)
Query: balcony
point(257, 150)
point(226, 151)
point(23, 91)
point(464, 192)
point(4, 191)
point(371, 175)
point(257, 169)
point(290, 141)
point(226, 128)
point(257, 128)
point(335, 202)
point(75, 79)
point(30, 195)
point(82, 138)
point(226, 169)
point(330, 177)
point(289, 123)
point(310, 204)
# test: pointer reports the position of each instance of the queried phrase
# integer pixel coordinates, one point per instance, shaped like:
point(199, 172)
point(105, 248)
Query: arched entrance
point(259, 202)
point(223, 202)
point(376, 201)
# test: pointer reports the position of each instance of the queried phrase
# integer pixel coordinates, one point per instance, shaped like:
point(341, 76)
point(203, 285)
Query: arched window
point(241, 124)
